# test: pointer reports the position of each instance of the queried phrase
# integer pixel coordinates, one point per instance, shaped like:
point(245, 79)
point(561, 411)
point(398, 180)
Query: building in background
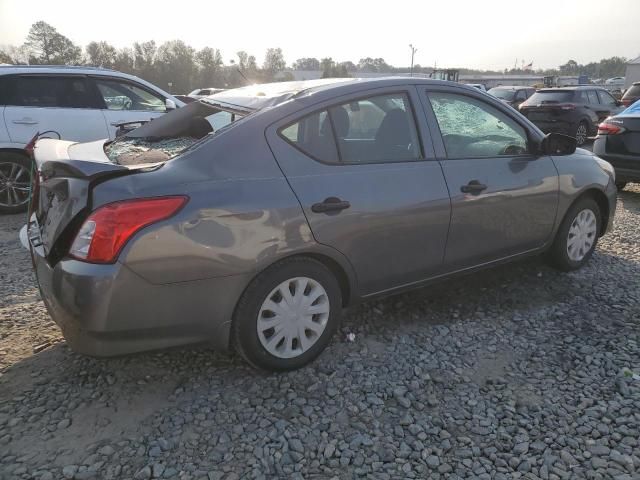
point(633, 72)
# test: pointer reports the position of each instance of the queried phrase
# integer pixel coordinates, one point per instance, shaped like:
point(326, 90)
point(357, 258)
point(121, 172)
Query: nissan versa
point(250, 218)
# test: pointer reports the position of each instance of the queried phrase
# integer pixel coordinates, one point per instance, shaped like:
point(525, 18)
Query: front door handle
point(474, 186)
point(331, 204)
point(25, 121)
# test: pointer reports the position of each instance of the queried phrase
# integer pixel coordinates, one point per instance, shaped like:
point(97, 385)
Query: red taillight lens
point(626, 102)
point(567, 106)
point(609, 129)
point(108, 229)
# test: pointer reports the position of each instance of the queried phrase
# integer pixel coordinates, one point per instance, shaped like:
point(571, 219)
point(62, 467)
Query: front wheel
point(287, 315)
point(577, 236)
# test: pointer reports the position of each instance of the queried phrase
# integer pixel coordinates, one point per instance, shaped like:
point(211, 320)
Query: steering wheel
point(127, 104)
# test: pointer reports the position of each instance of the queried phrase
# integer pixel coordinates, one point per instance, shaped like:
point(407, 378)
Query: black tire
point(620, 185)
point(558, 253)
point(582, 132)
point(245, 335)
point(11, 200)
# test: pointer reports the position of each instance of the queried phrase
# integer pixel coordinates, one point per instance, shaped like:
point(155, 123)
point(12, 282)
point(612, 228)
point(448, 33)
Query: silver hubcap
point(581, 134)
point(582, 234)
point(293, 317)
point(15, 183)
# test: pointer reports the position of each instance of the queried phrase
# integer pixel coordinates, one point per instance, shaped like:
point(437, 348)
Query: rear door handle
point(331, 204)
point(25, 121)
point(474, 186)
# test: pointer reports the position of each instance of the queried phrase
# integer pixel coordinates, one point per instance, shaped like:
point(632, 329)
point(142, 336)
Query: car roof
point(259, 96)
point(79, 69)
point(511, 87)
point(572, 88)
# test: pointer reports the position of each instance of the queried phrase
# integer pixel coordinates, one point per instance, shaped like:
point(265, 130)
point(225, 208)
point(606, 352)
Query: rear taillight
point(566, 106)
point(626, 102)
point(609, 129)
point(103, 235)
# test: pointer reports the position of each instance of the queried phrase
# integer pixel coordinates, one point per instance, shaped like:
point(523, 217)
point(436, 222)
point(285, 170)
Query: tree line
point(180, 68)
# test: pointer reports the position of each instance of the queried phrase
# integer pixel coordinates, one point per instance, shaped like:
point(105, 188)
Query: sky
point(485, 34)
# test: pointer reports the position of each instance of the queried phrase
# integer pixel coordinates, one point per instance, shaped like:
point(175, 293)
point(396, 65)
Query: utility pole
point(413, 52)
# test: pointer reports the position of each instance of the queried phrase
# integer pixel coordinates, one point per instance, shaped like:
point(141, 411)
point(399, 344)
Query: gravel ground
point(518, 372)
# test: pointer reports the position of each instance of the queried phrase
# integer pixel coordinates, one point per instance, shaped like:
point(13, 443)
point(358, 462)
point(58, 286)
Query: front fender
point(580, 173)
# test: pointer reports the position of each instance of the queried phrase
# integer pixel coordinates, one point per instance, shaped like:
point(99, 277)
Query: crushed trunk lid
point(67, 170)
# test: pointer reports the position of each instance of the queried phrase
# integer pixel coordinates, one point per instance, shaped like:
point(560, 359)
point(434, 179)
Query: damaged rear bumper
point(106, 310)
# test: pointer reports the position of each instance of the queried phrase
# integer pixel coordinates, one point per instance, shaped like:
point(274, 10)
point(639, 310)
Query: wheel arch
point(18, 151)
point(603, 204)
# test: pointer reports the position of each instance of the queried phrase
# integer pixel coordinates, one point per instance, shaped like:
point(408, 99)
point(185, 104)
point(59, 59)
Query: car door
point(126, 101)
point(368, 186)
point(61, 105)
point(608, 105)
point(503, 198)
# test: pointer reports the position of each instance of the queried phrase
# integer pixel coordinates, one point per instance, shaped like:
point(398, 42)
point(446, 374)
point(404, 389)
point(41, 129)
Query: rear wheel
point(582, 133)
point(577, 236)
point(287, 315)
point(15, 182)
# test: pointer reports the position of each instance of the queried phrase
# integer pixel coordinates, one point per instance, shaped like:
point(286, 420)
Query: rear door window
point(50, 91)
point(606, 98)
point(593, 97)
point(472, 128)
point(378, 129)
point(313, 136)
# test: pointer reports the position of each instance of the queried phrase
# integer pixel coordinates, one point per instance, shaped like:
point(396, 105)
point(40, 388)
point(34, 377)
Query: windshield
point(556, 96)
point(503, 93)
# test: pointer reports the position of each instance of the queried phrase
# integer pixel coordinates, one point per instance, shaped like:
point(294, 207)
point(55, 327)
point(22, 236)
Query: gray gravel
point(518, 372)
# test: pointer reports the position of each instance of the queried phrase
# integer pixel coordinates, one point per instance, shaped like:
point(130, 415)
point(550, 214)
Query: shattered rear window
point(135, 151)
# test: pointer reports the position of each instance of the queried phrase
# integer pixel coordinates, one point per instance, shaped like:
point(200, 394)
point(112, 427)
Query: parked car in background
point(185, 98)
point(632, 95)
point(258, 234)
point(512, 95)
point(615, 81)
point(618, 142)
point(204, 92)
point(574, 111)
point(72, 103)
point(479, 86)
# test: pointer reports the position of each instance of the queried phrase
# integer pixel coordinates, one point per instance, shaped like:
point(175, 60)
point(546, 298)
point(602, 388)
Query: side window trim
point(328, 105)
point(433, 121)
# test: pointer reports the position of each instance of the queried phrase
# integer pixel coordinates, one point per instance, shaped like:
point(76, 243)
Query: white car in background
point(615, 81)
point(72, 103)
point(205, 92)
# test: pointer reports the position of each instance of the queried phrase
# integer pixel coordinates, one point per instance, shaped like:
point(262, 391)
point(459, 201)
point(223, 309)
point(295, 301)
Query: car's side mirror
point(558, 144)
point(170, 104)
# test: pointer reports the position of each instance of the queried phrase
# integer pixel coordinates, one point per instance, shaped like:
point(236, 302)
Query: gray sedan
point(251, 218)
